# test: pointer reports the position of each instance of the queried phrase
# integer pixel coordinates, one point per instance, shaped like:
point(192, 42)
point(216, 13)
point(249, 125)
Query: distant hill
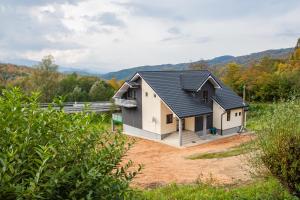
point(12, 71)
point(215, 62)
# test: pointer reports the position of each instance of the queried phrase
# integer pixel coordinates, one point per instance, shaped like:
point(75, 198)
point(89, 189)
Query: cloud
point(174, 30)
point(115, 34)
point(29, 3)
point(106, 19)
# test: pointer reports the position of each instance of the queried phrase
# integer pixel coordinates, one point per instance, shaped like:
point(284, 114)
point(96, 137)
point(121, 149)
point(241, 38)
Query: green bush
point(48, 154)
point(279, 144)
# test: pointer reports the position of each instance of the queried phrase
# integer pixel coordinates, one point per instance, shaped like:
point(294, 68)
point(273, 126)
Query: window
point(205, 95)
point(154, 95)
point(240, 113)
point(228, 115)
point(236, 114)
point(131, 94)
point(146, 94)
point(169, 118)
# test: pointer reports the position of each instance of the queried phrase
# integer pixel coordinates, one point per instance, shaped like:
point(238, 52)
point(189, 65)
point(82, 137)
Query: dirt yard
point(165, 164)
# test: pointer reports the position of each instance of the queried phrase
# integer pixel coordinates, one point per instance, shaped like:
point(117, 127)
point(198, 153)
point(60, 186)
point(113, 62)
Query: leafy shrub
point(279, 144)
point(48, 154)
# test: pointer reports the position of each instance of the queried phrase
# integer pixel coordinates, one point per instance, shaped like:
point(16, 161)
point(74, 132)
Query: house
point(156, 104)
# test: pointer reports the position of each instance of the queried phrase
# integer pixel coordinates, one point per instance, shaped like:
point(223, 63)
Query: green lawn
point(264, 189)
point(234, 151)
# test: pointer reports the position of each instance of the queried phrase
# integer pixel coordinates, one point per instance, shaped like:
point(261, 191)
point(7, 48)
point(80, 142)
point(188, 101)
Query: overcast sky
point(111, 35)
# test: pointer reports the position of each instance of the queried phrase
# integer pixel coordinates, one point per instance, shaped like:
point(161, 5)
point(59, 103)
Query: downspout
point(222, 122)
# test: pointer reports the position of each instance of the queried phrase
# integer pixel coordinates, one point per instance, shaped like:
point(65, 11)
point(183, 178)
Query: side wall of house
point(151, 107)
point(234, 123)
point(190, 123)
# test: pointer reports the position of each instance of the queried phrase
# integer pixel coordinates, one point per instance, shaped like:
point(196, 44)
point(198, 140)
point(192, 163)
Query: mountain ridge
point(214, 62)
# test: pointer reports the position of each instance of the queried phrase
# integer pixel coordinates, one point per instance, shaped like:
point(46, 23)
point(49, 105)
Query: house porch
point(190, 138)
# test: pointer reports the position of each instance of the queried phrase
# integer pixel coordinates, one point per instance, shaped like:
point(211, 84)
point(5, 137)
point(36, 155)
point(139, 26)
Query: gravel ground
point(164, 164)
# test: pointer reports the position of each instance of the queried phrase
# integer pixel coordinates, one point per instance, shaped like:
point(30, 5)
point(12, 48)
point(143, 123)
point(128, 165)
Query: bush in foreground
point(48, 154)
point(278, 143)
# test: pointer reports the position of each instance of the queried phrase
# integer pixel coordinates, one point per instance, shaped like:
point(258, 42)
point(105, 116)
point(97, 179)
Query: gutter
point(222, 122)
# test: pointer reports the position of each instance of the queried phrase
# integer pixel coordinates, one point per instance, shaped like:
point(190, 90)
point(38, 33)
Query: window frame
point(205, 95)
point(169, 118)
point(228, 115)
point(146, 94)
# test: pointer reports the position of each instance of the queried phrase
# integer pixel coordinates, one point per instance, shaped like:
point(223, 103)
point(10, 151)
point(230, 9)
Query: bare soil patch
point(164, 164)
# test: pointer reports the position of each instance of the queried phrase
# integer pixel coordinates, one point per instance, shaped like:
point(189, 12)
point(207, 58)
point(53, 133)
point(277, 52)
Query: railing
point(74, 107)
point(125, 103)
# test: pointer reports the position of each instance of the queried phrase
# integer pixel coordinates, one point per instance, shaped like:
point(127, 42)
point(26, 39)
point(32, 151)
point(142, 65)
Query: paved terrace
point(190, 138)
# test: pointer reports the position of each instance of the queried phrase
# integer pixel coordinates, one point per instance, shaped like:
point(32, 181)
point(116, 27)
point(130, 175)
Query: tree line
point(46, 80)
point(265, 80)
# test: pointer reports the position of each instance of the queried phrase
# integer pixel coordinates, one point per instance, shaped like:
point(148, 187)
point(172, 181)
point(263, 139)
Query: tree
point(45, 79)
point(49, 154)
point(101, 91)
point(232, 76)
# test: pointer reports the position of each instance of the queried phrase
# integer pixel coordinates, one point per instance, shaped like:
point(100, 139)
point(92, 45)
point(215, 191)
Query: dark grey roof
point(193, 81)
point(228, 99)
point(170, 87)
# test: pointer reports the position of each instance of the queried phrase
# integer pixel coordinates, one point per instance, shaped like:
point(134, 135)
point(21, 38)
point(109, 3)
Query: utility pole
point(244, 94)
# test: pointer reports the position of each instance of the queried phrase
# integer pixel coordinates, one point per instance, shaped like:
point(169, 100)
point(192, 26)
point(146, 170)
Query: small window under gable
point(236, 114)
point(205, 96)
point(228, 115)
point(240, 113)
point(154, 95)
point(146, 94)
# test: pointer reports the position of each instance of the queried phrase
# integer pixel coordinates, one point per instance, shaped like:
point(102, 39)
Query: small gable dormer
point(201, 87)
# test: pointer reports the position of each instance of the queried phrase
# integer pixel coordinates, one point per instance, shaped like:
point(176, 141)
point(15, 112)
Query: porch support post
point(204, 124)
point(180, 131)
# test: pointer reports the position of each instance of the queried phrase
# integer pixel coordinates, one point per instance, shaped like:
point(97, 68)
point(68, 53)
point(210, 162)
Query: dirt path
point(164, 164)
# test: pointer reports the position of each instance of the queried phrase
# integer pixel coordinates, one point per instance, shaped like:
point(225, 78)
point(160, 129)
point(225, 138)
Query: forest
point(45, 79)
point(267, 80)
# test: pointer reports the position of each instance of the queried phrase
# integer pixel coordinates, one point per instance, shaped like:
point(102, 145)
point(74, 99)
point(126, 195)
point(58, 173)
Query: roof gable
point(195, 81)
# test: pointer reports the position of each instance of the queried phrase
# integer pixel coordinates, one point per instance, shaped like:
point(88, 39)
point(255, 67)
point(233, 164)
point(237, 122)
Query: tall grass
point(266, 189)
point(278, 142)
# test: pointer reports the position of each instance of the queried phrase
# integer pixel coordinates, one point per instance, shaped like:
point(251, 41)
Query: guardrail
point(74, 107)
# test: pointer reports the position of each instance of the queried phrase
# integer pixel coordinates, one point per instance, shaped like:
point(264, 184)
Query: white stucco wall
point(234, 120)
point(151, 109)
point(190, 123)
point(154, 112)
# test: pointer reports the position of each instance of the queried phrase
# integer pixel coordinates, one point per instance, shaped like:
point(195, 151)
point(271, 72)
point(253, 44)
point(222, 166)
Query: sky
point(109, 35)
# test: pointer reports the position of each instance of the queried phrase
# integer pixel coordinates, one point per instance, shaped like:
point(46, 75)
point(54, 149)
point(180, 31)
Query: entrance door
point(198, 123)
point(209, 121)
point(177, 124)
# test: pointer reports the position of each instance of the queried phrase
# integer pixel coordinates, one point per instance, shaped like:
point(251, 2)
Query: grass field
point(234, 151)
point(264, 189)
